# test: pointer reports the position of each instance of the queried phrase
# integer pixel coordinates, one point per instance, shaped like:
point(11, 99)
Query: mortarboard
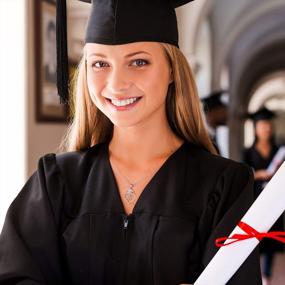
point(261, 114)
point(214, 100)
point(118, 22)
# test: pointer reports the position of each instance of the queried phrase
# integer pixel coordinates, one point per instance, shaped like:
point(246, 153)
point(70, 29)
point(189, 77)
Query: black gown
point(68, 225)
point(254, 159)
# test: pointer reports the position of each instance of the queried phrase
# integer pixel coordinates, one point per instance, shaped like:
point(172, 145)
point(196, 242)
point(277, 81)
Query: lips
point(124, 103)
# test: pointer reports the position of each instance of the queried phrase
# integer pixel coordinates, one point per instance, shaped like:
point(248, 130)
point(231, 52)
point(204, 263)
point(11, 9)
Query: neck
point(144, 142)
point(263, 142)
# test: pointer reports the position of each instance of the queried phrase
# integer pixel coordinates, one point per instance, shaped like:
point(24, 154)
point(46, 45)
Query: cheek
point(259, 130)
point(269, 131)
point(155, 83)
point(95, 85)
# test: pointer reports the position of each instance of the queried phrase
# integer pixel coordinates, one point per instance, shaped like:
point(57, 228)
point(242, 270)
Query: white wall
point(22, 139)
point(13, 92)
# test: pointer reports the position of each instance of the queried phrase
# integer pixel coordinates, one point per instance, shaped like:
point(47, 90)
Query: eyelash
point(145, 62)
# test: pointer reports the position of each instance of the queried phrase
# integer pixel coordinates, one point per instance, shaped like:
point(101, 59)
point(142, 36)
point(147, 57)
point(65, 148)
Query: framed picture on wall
point(48, 107)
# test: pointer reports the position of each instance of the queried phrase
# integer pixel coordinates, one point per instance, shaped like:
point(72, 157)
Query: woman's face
point(263, 129)
point(129, 82)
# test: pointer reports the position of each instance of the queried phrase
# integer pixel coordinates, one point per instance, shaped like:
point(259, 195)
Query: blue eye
point(139, 62)
point(99, 64)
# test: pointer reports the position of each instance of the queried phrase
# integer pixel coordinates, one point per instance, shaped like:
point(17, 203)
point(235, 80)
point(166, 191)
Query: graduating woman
point(259, 157)
point(140, 196)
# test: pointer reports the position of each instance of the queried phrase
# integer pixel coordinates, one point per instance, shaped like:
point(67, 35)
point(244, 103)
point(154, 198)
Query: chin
point(124, 123)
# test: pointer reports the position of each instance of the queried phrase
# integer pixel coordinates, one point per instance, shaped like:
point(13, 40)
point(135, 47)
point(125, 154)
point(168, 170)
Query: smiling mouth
point(124, 102)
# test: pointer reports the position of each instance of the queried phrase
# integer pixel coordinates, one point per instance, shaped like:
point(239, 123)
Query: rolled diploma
point(277, 160)
point(263, 213)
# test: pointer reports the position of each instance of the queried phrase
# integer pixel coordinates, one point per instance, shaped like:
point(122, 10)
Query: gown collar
point(147, 197)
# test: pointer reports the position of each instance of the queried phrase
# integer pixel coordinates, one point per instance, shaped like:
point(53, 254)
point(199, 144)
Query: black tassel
point(62, 52)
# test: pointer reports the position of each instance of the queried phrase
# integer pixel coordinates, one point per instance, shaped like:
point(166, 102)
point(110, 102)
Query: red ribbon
point(249, 233)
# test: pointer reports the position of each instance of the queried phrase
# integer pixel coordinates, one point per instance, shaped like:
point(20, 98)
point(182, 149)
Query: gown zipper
point(126, 220)
point(125, 225)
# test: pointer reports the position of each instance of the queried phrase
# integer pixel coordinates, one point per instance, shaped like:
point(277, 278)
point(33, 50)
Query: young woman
point(140, 196)
point(259, 156)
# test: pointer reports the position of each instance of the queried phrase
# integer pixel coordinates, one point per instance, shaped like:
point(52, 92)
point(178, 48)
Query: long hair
point(90, 126)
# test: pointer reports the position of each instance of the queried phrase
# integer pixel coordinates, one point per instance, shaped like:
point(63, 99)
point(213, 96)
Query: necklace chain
point(130, 194)
point(127, 180)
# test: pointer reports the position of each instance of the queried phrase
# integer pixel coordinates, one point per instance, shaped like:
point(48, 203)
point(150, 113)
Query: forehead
point(153, 48)
point(263, 122)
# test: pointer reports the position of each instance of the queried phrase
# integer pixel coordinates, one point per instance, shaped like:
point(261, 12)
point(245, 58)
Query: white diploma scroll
point(261, 216)
point(278, 158)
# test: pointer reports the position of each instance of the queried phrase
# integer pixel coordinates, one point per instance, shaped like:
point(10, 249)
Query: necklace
point(130, 193)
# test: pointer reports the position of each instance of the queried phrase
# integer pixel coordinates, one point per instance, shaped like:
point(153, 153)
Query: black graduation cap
point(118, 22)
point(261, 114)
point(214, 100)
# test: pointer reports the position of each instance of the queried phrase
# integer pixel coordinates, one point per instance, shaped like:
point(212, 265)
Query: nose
point(118, 81)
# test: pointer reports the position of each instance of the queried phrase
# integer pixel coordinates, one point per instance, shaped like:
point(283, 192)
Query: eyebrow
point(127, 56)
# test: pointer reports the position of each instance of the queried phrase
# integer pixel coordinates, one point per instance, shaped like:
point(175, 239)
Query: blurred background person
point(215, 108)
point(259, 157)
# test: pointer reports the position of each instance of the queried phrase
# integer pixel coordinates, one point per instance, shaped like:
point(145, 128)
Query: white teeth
point(126, 102)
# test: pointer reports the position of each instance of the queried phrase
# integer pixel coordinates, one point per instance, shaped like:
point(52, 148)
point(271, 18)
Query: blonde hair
point(90, 126)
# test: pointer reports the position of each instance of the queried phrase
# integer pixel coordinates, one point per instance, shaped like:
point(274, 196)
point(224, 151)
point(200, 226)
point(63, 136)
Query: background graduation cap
point(261, 114)
point(118, 22)
point(215, 100)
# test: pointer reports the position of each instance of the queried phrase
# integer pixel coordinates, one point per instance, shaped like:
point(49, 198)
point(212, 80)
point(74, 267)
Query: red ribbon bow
point(249, 233)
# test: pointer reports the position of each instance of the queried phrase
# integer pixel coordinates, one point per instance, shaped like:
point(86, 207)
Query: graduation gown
point(68, 225)
point(254, 159)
